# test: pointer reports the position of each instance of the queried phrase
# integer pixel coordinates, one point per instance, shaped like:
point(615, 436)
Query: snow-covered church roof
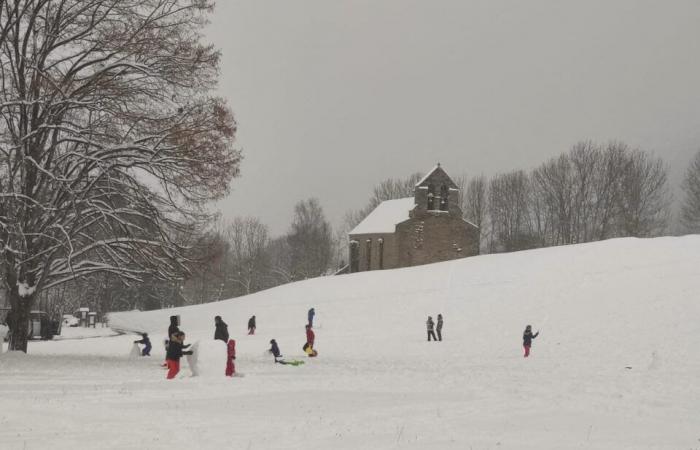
point(385, 217)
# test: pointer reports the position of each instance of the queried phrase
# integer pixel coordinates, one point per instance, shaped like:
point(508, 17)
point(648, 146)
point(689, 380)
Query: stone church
point(422, 229)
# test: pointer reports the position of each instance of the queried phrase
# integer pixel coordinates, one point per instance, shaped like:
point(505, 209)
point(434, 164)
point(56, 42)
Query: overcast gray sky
point(334, 96)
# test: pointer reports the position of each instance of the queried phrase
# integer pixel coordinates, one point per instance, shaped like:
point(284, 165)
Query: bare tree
point(248, 239)
point(509, 211)
point(107, 123)
point(474, 204)
point(643, 200)
point(590, 193)
point(279, 256)
point(310, 241)
point(554, 182)
point(389, 189)
point(595, 192)
point(605, 211)
point(207, 266)
point(540, 211)
point(340, 248)
point(690, 210)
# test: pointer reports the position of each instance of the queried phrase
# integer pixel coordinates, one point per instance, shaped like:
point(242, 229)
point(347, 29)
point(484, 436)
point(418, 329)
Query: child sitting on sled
point(275, 350)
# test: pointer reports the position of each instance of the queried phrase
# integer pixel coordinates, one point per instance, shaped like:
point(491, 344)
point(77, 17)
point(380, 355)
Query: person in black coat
point(275, 350)
point(147, 344)
point(430, 325)
point(172, 329)
point(438, 328)
point(175, 352)
point(251, 325)
point(527, 339)
point(221, 331)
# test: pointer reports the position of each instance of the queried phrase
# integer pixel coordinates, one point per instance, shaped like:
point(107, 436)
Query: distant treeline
point(590, 193)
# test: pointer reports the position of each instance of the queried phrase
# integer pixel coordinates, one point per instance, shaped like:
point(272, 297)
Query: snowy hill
point(587, 300)
point(615, 365)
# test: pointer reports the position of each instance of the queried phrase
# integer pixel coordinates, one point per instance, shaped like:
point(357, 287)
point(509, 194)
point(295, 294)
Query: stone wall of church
point(430, 235)
point(436, 236)
point(438, 179)
point(433, 237)
point(374, 252)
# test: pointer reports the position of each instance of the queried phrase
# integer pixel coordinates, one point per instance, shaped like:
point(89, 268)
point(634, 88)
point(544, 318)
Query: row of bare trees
point(591, 193)
point(229, 259)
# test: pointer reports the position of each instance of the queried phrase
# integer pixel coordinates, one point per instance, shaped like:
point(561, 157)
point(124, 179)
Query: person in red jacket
point(527, 339)
point(310, 338)
point(231, 355)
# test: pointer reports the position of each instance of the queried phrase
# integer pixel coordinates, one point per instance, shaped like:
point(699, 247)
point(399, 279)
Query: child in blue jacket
point(147, 344)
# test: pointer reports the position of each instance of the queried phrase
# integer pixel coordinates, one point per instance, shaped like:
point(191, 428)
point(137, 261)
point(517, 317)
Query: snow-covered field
point(616, 366)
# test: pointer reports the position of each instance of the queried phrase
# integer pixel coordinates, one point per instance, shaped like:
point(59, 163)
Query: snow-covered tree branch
point(110, 140)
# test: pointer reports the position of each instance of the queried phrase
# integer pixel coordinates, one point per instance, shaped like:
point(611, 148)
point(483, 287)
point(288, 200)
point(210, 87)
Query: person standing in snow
point(147, 344)
point(251, 325)
point(439, 327)
point(221, 331)
point(311, 315)
point(175, 352)
point(230, 356)
point(431, 326)
point(172, 329)
point(527, 339)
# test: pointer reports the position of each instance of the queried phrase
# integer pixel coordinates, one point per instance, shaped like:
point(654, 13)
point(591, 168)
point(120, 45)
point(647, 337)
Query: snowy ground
point(615, 367)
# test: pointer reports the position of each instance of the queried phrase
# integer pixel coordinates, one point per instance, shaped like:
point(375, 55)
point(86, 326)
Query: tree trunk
point(19, 323)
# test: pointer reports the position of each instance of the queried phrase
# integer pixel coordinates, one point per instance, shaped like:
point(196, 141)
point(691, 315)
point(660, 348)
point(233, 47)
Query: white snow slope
point(616, 366)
